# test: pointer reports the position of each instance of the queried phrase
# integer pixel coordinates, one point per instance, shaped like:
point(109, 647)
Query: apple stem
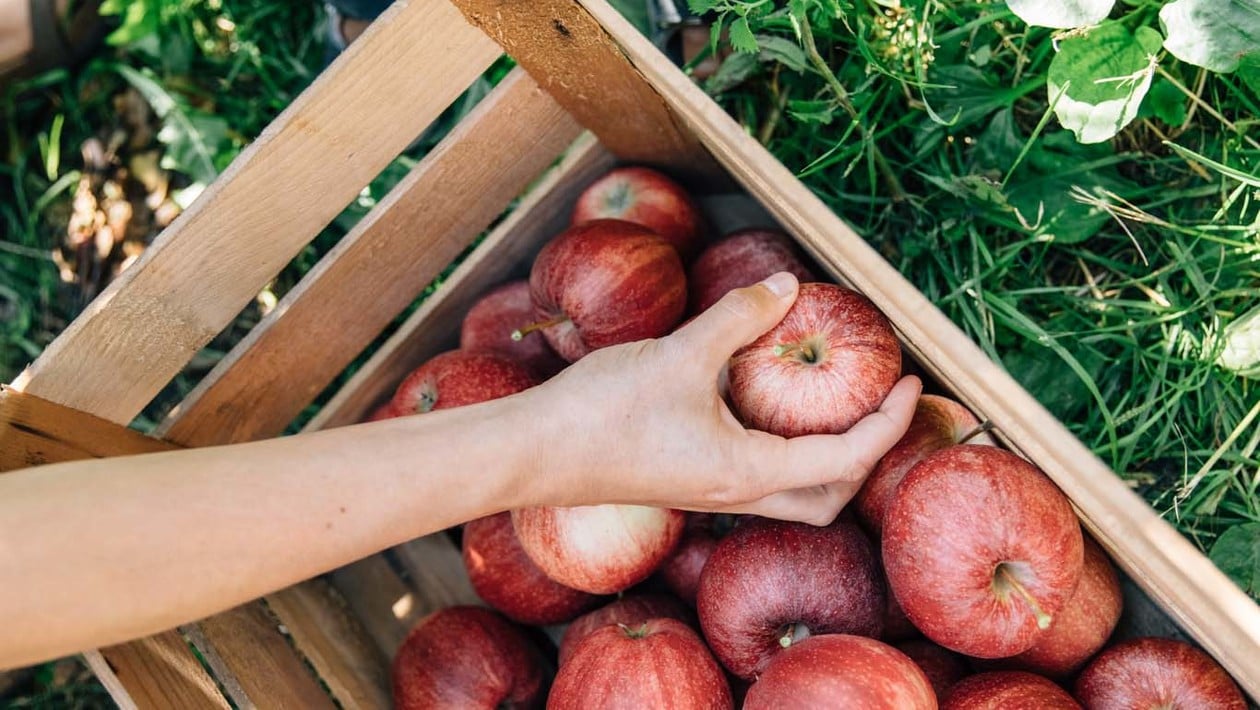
point(793, 633)
point(1004, 576)
point(793, 348)
point(526, 330)
point(986, 425)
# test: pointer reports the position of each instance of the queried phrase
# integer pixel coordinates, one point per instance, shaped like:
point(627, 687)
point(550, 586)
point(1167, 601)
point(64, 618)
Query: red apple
point(981, 550)
point(384, 411)
point(457, 378)
point(647, 197)
point(938, 422)
point(631, 610)
point(831, 361)
point(897, 626)
point(1082, 627)
point(490, 322)
point(603, 283)
point(771, 583)
point(841, 672)
point(681, 570)
point(659, 663)
point(1151, 673)
point(1008, 690)
point(601, 549)
point(467, 657)
point(742, 259)
point(943, 667)
point(506, 579)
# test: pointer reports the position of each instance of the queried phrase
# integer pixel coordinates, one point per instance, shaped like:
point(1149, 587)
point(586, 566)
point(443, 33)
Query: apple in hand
point(467, 657)
point(659, 663)
point(603, 283)
point(491, 321)
point(771, 583)
point(831, 361)
point(938, 422)
point(506, 579)
point(981, 550)
point(630, 610)
point(943, 667)
point(1151, 673)
point(601, 549)
point(457, 378)
point(742, 259)
point(841, 672)
point(681, 570)
point(1008, 690)
point(647, 197)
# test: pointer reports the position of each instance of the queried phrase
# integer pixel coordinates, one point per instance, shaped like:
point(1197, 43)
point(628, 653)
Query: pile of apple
point(959, 576)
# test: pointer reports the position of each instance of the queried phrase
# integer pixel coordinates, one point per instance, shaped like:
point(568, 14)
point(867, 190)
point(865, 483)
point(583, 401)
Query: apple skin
point(973, 533)
point(681, 570)
point(771, 582)
point(506, 579)
point(490, 322)
point(742, 259)
point(1008, 690)
point(457, 378)
point(614, 281)
point(846, 361)
point(660, 663)
point(897, 626)
point(631, 610)
point(382, 412)
point(841, 672)
point(600, 549)
point(943, 667)
point(938, 422)
point(467, 657)
point(1082, 627)
point(646, 197)
point(1156, 673)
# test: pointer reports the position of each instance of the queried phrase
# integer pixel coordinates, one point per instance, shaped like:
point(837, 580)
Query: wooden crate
point(327, 641)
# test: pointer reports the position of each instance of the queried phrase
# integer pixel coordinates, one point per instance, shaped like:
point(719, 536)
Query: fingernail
point(780, 284)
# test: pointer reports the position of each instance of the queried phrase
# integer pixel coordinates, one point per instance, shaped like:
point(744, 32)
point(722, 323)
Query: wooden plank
point(307, 166)
point(394, 252)
point(570, 55)
point(383, 603)
point(143, 674)
point(434, 327)
point(435, 569)
point(1184, 582)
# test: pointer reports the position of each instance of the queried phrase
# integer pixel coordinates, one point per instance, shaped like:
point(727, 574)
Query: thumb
point(742, 316)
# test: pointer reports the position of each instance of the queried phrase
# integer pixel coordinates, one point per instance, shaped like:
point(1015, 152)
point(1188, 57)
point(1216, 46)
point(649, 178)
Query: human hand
point(644, 423)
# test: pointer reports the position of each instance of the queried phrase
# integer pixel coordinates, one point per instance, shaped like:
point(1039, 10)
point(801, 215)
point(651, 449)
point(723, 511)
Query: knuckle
point(741, 303)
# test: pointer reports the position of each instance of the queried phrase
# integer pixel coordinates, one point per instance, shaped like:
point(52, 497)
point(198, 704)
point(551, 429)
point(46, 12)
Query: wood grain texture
point(381, 600)
point(393, 253)
point(1184, 582)
point(304, 169)
point(570, 55)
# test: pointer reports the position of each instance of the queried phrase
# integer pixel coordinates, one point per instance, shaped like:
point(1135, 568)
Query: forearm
point(114, 549)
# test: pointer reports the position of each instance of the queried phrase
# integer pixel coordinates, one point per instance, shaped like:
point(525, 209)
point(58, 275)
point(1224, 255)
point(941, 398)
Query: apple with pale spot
point(647, 197)
point(458, 378)
point(489, 325)
point(742, 259)
point(841, 672)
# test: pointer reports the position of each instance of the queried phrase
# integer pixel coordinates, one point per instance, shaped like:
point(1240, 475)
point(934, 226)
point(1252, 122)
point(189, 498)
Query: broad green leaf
point(998, 145)
point(700, 7)
point(819, 112)
point(1098, 79)
point(1062, 14)
point(1241, 353)
point(192, 139)
point(783, 51)
point(731, 73)
point(742, 38)
point(1213, 34)
point(1237, 554)
point(1165, 102)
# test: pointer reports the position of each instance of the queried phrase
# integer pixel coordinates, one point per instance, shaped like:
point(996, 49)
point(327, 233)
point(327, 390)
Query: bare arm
point(98, 552)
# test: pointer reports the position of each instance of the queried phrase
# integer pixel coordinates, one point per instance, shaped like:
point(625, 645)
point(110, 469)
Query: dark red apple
point(742, 259)
point(603, 283)
point(491, 321)
point(1152, 673)
point(601, 549)
point(457, 378)
point(631, 610)
point(981, 550)
point(897, 626)
point(384, 411)
point(831, 361)
point(1082, 627)
point(647, 197)
point(1008, 690)
point(659, 663)
point(943, 667)
point(681, 570)
point(771, 583)
point(841, 672)
point(938, 422)
point(506, 579)
point(467, 657)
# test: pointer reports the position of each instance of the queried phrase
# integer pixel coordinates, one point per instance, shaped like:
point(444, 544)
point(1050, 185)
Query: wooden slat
point(435, 569)
point(144, 674)
point(568, 53)
point(307, 166)
point(1184, 582)
point(384, 604)
point(514, 134)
